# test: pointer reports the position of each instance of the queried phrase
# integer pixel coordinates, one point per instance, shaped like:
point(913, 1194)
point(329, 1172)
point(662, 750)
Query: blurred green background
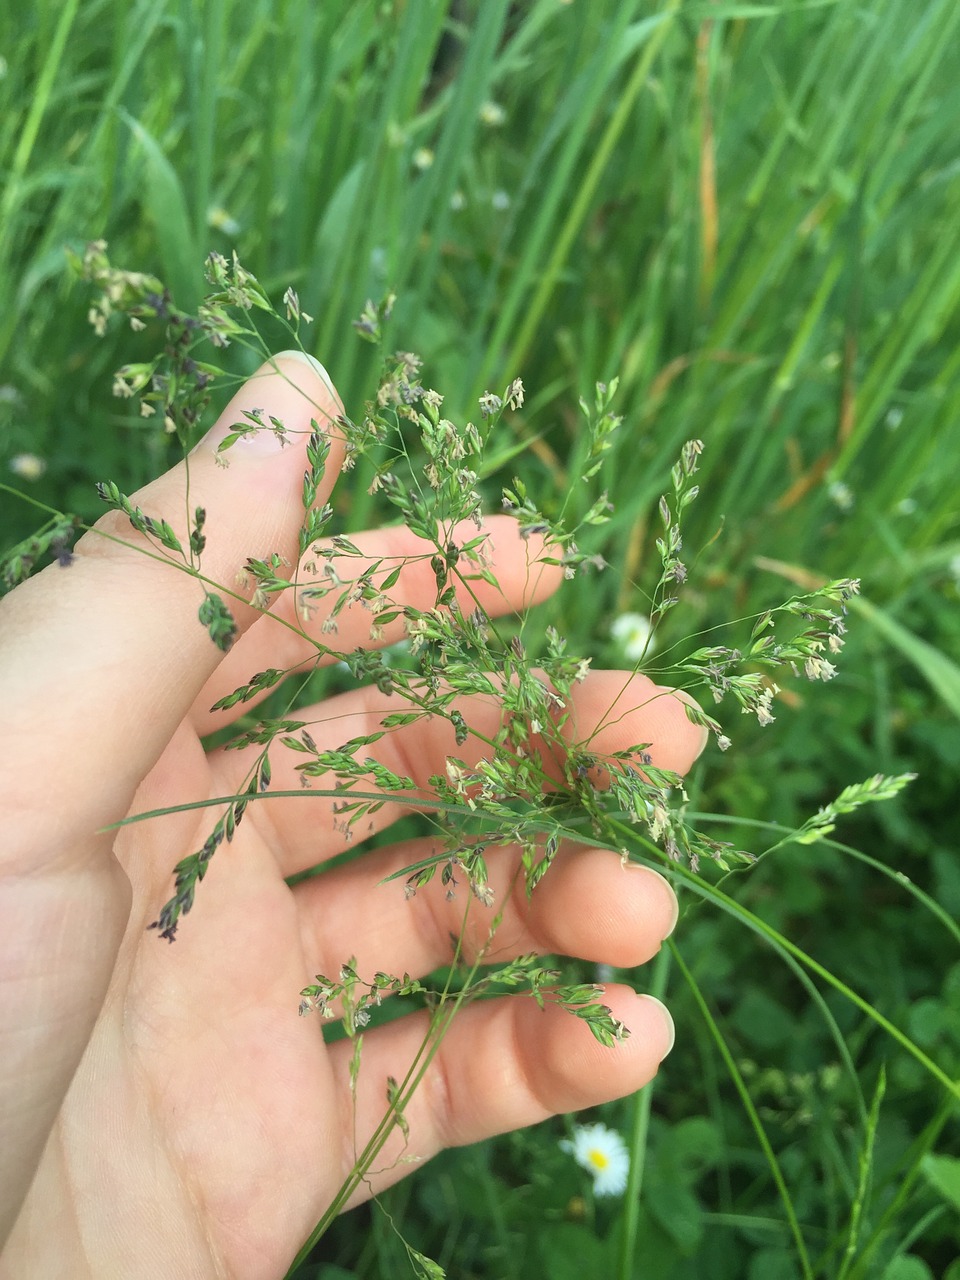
point(750, 213)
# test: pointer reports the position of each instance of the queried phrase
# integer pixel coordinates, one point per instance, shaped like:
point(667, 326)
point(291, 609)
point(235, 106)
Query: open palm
point(180, 1117)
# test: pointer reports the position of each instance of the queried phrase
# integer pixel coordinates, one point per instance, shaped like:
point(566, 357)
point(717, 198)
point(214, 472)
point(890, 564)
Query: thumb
point(111, 649)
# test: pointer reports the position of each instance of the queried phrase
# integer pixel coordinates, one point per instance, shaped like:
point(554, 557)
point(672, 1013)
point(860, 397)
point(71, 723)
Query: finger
point(503, 1064)
point(114, 643)
point(523, 579)
point(591, 904)
point(610, 710)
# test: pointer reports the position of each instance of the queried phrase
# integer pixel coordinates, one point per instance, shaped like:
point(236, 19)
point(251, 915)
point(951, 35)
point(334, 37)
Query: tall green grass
point(750, 213)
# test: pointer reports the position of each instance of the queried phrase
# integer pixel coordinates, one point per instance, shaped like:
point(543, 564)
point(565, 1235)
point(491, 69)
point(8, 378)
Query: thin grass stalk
point(639, 1139)
point(863, 1185)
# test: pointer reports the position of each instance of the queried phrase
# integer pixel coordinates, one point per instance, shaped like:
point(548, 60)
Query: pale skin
point(164, 1110)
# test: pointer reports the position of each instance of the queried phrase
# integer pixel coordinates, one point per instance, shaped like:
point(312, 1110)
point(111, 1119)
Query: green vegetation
point(749, 213)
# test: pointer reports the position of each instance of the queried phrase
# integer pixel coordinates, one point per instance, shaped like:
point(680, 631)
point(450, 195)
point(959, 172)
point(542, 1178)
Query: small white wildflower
point(953, 568)
point(603, 1153)
point(28, 466)
point(633, 633)
point(893, 419)
point(458, 201)
point(906, 507)
point(840, 494)
point(492, 114)
point(220, 220)
point(423, 158)
point(500, 200)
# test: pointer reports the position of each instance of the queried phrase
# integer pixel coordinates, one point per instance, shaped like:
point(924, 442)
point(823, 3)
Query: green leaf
point(773, 1264)
point(943, 1174)
point(166, 204)
point(908, 1268)
point(677, 1210)
point(937, 669)
point(568, 1251)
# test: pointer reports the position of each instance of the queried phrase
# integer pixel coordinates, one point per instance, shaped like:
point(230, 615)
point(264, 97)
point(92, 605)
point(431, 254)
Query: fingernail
point(665, 1013)
point(675, 905)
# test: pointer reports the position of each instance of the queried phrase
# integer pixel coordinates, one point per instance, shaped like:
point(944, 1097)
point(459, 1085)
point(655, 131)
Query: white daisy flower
point(603, 1153)
point(27, 466)
point(840, 494)
point(221, 220)
point(632, 633)
point(492, 114)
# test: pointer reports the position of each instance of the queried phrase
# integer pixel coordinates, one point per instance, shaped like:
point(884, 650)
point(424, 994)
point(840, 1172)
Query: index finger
point(112, 644)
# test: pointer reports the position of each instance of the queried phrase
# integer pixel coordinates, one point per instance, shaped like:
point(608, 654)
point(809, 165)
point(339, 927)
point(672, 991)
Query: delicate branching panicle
point(744, 674)
point(528, 782)
point(427, 468)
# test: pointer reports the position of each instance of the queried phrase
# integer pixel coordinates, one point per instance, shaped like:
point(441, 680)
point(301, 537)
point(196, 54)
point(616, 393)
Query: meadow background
point(750, 213)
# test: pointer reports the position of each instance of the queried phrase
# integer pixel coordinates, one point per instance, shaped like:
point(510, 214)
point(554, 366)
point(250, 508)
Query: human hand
point(164, 1110)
